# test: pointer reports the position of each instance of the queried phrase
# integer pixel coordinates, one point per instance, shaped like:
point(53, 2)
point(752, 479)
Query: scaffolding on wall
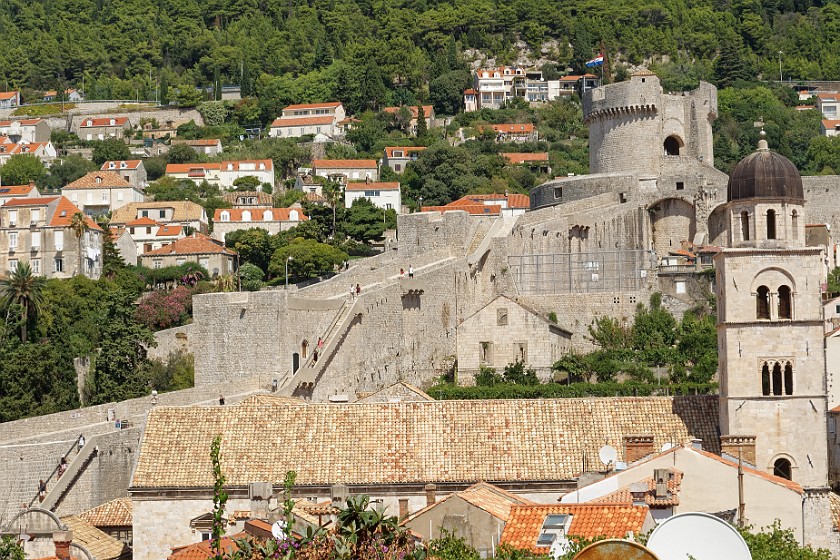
point(562, 273)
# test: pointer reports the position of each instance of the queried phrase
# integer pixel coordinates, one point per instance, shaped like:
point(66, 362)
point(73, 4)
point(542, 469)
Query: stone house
point(37, 230)
point(44, 151)
point(273, 220)
point(203, 146)
point(828, 103)
point(521, 132)
point(309, 118)
point(344, 170)
point(247, 199)
point(830, 127)
point(428, 112)
point(477, 514)
point(9, 99)
point(504, 332)
point(383, 195)
point(103, 128)
point(224, 174)
point(397, 157)
point(406, 474)
point(132, 171)
point(8, 192)
point(535, 161)
point(27, 130)
point(101, 192)
point(97, 542)
point(147, 234)
point(177, 212)
point(125, 245)
point(213, 256)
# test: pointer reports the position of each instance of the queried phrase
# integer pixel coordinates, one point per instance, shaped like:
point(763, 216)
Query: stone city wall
point(171, 341)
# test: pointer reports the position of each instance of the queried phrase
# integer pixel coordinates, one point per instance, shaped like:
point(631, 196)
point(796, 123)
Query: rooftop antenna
point(608, 455)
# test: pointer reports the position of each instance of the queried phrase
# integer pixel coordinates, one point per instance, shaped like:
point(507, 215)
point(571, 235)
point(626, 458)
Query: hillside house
point(247, 199)
point(177, 212)
point(344, 170)
point(212, 255)
point(273, 220)
point(37, 230)
point(538, 162)
point(103, 128)
point(44, 151)
point(829, 105)
point(204, 146)
point(414, 110)
point(8, 192)
point(517, 132)
point(147, 234)
point(397, 157)
point(309, 118)
point(223, 174)
point(830, 127)
point(101, 192)
point(26, 130)
point(385, 195)
point(9, 99)
point(132, 171)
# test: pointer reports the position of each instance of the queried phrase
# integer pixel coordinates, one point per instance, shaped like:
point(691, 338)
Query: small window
point(501, 317)
point(762, 303)
point(788, 379)
point(162, 214)
point(680, 185)
point(13, 265)
point(680, 287)
point(520, 352)
point(745, 226)
point(58, 265)
point(158, 263)
point(794, 224)
point(765, 379)
point(782, 468)
point(558, 192)
point(622, 197)
point(771, 224)
point(485, 353)
point(777, 379)
point(784, 302)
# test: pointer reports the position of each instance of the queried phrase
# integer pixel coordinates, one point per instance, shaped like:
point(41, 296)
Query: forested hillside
point(371, 52)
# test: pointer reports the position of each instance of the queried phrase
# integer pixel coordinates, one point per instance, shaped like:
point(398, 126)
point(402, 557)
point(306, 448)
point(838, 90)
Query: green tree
point(189, 96)
point(66, 170)
point(254, 245)
point(451, 547)
point(446, 92)
point(79, 226)
point(164, 88)
point(775, 543)
point(24, 290)
point(309, 259)
point(112, 260)
point(182, 153)
point(422, 127)
point(21, 169)
point(10, 549)
point(251, 277)
point(110, 150)
point(365, 222)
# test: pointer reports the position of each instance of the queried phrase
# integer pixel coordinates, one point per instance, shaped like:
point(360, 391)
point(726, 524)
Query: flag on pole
point(597, 61)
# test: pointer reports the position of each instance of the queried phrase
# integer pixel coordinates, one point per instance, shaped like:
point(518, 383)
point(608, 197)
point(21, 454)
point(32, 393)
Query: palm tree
point(25, 289)
point(79, 225)
point(332, 192)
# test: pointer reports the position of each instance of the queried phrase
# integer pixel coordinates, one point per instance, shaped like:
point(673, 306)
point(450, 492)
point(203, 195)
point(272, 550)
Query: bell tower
point(770, 329)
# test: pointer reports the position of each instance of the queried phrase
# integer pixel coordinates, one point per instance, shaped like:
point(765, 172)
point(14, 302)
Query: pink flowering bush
point(163, 309)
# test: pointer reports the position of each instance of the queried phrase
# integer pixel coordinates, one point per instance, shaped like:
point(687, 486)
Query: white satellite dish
point(666, 447)
point(697, 535)
point(559, 548)
point(608, 455)
point(278, 529)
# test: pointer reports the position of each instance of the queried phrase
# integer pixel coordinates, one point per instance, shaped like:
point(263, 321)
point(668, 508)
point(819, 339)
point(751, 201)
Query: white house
point(829, 104)
point(26, 130)
point(103, 128)
point(205, 146)
point(9, 99)
point(223, 174)
point(100, 192)
point(44, 151)
point(343, 170)
point(132, 170)
point(148, 234)
point(177, 212)
point(273, 220)
point(397, 157)
point(428, 115)
point(309, 118)
point(830, 127)
point(383, 195)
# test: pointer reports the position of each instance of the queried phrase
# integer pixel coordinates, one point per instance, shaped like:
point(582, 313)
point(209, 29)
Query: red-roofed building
point(515, 132)
point(101, 192)
point(8, 192)
point(273, 220)
point(37, 230)
point(28, 130)
point(487, 205)
point(309, 118)
point(44, 151)
point(211, 254)
point(102, 128)
point(205, 146)
point(414, 112)
point(224, 174)
point(397, 157)
point(537, 161)
point(536, 527)
point(132, 170)
point(9, 99)
point(385, 195)
point(492, 87)
point(344, 170)
point(830, 127)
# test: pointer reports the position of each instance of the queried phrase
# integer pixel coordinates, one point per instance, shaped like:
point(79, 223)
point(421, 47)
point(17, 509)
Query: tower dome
point(765, 174)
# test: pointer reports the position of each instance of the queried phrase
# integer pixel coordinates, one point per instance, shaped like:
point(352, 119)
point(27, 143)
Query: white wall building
point(273, 220)
point(223, 174)
point(382, 195)
point(309, 118)
point(344, 170)
point(100, 192)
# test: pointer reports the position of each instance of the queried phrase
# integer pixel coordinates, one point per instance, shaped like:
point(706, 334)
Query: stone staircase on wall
point(52, 480)
point(60, 488)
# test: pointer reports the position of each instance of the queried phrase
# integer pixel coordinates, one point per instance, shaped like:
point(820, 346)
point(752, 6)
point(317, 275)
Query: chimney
point(661, 478)
point(403, 508)
point(430, 494)
point(697, 443)
point(637, 447)
point(732, 445)
point(62, 540)
point(31, 184)
point(638, 491)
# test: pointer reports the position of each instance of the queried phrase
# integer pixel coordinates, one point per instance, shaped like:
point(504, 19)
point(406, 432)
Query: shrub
point(164, 309)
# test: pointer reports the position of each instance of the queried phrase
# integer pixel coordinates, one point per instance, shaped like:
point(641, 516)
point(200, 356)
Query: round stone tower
point(634, 126)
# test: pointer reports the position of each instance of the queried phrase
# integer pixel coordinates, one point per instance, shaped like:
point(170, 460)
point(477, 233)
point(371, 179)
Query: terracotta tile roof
point(258, 214)
point(9, 191)
point(415, 110)
point(373, 186)
point(301, 121)
point(129, 164)
point(104, 121)
point(390, 443)
point(513, 200)
point(196, 244)
point(400, 391)
point(170, 231)
point(324, 105)
point(828, 96)
point(201, 142)
point(314, 197)
point(8, 95)
point(492, 499)
point(22, 122)
point(263, 199)
point(624, 495)
point(830, 123)
point(523, 128)
point(192, 167)
point(236, 165)
point(470, 91)
point(344, 163)
point(588, 521)
point(144, 221)
point(834, 499)
point(472, 209)
point(389, 151)
point(99, 180)
point(182, 211)
point(204, 550)
point(101, 545)
point(64, 212)
point(36, 201)
point(523, 157)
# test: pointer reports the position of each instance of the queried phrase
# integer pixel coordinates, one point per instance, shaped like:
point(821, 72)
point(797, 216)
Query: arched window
point(294, 216)
point(672, 146)
point(794, 224)
point(765, 379)
point(246, 216)
point(745, 226)
point(771, 224)
point(777, 379)
point(762, 303)
point(784, 302)
point(782, 468)
point(788, 379)
point(268, 215)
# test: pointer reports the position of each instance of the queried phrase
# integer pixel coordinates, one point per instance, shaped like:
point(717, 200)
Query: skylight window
point(555, 526)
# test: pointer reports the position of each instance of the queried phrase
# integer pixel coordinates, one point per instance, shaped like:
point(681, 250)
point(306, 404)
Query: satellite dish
point(614, 549)
point(666, 447)
point(278, 529)
point(559, 548)
point(608, 455)
point(697, 535)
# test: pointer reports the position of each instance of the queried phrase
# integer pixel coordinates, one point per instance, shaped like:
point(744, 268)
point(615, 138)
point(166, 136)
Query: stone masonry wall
point(170, 341)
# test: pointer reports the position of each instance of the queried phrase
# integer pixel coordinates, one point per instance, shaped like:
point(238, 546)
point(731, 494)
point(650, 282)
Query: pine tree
point(422, 127)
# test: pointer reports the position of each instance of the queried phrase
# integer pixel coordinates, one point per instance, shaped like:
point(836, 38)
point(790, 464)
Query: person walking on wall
point(42, 490)
point(62, 467)
point(358, 289)
point(221, 400)
point(410, 271)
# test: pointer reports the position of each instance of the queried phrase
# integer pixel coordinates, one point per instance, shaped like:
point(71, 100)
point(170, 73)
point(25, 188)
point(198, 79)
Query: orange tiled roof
point(830, 123)
point(588, 521)
point(99, 180)
point(473, 209)
point(38, 201)
point(104, 121)
point(313, 105)
point(301, 121)
point(169, 231)
point(415, 110)
point(196, 244)
point(372, 186)
point(827, 96)
point(514, 200)
point(258, 213)
point(22, 122)
point(202, 142)
point(389, 151)
point(9, 191)
point(204, 550)
point(182, 211)
point(344, 163)
point(188, 167)
point(129, 164)
point(492, 499)
point(624, 496)
point(8, 95)
point(100, 544)
point(64, 212)
point(513, 128)
point(144, 221)
point(521, 157)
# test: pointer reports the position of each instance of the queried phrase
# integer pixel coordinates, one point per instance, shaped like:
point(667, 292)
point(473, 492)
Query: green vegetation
point(449, 391)
point(43, 110)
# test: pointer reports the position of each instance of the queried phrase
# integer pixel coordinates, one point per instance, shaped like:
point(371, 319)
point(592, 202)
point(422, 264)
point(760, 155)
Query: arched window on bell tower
point(765, 379)
point(777, 378)
point(782, 468)
point(784, 302)
point(788, 379)
point(745, 226)
point(771, 224)
point(762, 303)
